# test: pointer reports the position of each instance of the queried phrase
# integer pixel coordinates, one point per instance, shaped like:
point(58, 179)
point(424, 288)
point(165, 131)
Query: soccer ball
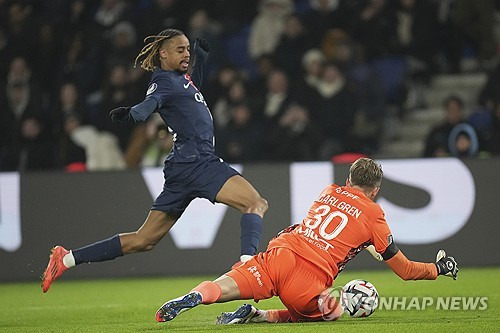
point(359, 298)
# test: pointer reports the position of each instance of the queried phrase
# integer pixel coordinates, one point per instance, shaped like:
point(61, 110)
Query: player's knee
point(264, 205)
point(258, 206)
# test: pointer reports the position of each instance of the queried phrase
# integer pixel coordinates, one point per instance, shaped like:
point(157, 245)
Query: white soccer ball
point(359, 298)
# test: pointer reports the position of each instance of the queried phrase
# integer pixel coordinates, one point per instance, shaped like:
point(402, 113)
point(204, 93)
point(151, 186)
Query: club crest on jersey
point(151, 88)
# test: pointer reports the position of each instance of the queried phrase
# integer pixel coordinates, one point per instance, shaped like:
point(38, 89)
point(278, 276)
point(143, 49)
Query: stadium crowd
point(288, 80)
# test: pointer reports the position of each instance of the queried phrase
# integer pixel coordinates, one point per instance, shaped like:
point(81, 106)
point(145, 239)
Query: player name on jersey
point(341, 205)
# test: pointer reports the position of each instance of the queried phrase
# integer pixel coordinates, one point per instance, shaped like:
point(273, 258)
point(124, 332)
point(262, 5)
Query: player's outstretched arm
point(413, 270)
point(201, 49)
point(407, 269)
point(139, 112)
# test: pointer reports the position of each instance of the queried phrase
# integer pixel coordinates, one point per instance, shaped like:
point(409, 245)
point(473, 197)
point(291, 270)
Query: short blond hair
point(364, 172)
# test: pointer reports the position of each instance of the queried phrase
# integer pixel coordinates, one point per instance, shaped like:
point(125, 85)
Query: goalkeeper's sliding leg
point(223, 289)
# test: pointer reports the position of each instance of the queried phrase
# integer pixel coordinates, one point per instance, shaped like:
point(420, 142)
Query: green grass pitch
point(128, 305)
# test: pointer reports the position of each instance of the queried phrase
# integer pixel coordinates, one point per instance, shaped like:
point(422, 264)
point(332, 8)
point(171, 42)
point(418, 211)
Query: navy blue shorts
point(185, 181)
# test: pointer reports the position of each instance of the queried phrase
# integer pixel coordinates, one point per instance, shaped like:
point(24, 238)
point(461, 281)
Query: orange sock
point(210, 292)
point(278, 316)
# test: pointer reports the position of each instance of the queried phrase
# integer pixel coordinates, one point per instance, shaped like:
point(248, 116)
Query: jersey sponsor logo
point(255, 272)
point(10, 211)
point(151, 88)
point(200, 99)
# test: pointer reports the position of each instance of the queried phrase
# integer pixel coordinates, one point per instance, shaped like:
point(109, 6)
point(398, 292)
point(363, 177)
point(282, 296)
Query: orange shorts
point(280, 272)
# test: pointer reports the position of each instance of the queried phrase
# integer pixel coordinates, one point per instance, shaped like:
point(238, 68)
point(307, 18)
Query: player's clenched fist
point(120, 115)
point(203, 44)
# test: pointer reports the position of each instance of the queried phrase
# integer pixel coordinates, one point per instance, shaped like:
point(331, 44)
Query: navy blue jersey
point(183, 108)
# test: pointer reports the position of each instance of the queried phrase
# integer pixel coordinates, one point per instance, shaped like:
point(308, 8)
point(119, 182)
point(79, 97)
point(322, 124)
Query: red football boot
point(55, 268)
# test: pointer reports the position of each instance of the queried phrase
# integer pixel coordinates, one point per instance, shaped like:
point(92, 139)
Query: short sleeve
point(381, 234)
point(160, 89)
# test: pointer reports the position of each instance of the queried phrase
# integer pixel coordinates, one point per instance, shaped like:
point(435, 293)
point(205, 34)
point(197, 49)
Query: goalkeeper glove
point(377, 256)
point(120, 115)
point(446, 266)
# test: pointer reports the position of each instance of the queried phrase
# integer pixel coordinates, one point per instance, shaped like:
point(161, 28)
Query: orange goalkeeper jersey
point(341, 223)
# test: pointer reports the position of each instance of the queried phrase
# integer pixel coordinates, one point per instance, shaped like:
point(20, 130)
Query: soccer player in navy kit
point(191, 169)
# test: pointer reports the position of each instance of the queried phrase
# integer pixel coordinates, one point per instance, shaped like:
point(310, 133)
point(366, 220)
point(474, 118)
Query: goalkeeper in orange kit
point(304, 259)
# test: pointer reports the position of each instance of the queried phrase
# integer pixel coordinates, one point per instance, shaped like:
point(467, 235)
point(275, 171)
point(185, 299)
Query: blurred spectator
point(475, 19)
point(77, 17)
point(159, 144)
point(265, 66)
point(69, 156)
point(48, 50)
point(122, 50)
point(436, 144)
point(5, 52)
point(268, 26)
point(374, 26)
point(110, 12)
point(233, 15)
point(324, 15)
point(336, 107)
point(365, 84)
point(116, 92)
point(20, 75)
point(490, 93)
point(292, 45)
point(276, 99)
point(20, 28)
point(332, 44)
point(69, 103)
point(101, 148)
point(492, 134)
point(219, 86)
point(296, 138)
point(463, 141)
point(161, 15)
point(19, 101)
point(241, 140)
point(416, 24)
point(32, 149)
point(202, 26)
point(222, 109)
point(305, 88)
point(81, 64)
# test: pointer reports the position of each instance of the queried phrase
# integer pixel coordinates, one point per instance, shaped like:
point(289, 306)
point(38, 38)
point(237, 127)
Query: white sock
point(262, 316)
point(245, 257)
point(69, 260)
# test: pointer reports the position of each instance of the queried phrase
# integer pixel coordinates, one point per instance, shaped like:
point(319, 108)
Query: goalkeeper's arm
point(413, 270)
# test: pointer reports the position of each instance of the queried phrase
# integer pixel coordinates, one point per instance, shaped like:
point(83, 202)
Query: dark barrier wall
point(430, 204)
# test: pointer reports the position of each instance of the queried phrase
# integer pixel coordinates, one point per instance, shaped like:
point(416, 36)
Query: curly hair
point(151, 50)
